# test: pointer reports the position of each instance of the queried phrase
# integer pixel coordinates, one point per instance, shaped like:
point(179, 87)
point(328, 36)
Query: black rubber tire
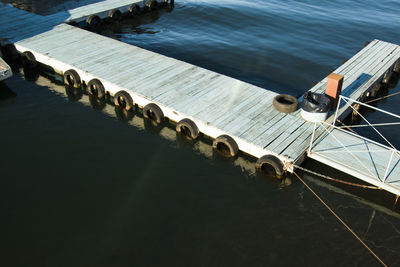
point(227, 141)
point(285, 103)
point(273, 161)
point(387, 77)
point(164, 3)
point(115, 15)
point(29, 60)
point(10, 53)
point(153, 112)
point(396, 66)
point(152, 4)
point(96, 88)
point(72, 79)
point(124, 100)
point(135, 9)
point(394, 80)
point(375, 90)
point(188, 128)
point(93, 20)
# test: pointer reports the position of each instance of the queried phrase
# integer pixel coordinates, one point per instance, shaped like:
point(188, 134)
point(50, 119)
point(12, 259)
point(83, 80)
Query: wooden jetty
point(234, 113)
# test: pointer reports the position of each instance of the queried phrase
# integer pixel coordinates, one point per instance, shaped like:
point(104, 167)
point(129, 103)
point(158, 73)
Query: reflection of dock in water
point(135, 118)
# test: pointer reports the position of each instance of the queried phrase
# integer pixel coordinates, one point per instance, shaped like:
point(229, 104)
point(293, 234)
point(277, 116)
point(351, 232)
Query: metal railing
point(383, 148)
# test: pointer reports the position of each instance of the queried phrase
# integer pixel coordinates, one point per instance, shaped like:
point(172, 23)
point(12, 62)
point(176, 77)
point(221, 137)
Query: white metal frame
point(388, 147)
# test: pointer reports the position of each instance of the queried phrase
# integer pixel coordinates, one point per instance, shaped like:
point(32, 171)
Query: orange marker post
point(334, 88)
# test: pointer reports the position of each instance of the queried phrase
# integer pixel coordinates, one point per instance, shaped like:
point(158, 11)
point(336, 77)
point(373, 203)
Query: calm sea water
point(80, 186)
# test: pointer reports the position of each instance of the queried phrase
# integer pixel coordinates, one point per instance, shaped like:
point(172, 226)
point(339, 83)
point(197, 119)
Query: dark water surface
point(81, 187)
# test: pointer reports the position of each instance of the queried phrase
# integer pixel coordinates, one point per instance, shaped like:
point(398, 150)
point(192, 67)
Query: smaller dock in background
point(238, 116)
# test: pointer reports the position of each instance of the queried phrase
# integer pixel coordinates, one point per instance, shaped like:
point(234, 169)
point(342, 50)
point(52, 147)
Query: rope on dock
point(337, 180)
point(346, 126)
point(348, 228)
point(380, 98)
point(395, 202)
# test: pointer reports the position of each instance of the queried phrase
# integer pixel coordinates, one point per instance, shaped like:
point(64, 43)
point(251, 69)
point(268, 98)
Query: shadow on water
point(31, 74)
point(6, 94)
point(123, 114)
point(153, 127)
point(74, 94)
point(134, 117)
point(96, 103)
point(203, 145)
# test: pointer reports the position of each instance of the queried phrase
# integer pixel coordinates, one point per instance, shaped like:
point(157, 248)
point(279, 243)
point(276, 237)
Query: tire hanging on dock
point(135, 9)
point(396, 67)
point(387, 77)
point(225, 142)
point(115, 15)
point(96, 88)
point(188, 128)
point(93, 20)
point(153, 112)
point(29, 60)
point(71, 78)
point(151, 5)
point(285, 103)
point(124, 100)
point(272, 161)
point(375, 90)
point(10, 53)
